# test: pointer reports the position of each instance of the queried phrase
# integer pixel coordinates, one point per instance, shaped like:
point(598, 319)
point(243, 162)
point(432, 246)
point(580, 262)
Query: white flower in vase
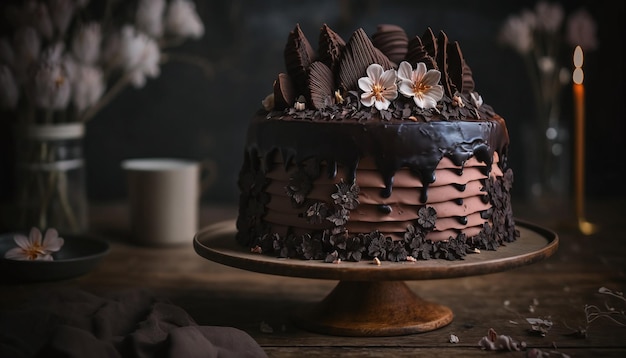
point(50, 87)
point(86, 43)
point(61, 13)
point(549, 16)
point(26, 47)
point(182, 20)
point(38, 16)
point(139, 55)
point(581, 30)
point(517, 33)
point(149, 17)
point(9, 92)
point(7, 56)
point(88, 86)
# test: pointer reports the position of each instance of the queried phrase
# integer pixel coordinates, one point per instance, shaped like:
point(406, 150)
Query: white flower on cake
point(33, 248)
point(182, 20)
point(379, 87)
point(421, 84)
point(477, 99)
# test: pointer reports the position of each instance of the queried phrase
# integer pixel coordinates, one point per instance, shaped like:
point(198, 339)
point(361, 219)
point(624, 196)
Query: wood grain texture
point(558, 287)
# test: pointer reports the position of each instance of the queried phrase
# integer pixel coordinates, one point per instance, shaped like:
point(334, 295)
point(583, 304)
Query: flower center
point(420, 88)
point(377, 91)
point(34, 251)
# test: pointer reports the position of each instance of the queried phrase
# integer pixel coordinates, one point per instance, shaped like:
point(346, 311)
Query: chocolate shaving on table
point(417, 53)
point(321, 85)
point(330, 47)
point(299, 55)
point(284, 93)
point(358, 54)
point(392, 41)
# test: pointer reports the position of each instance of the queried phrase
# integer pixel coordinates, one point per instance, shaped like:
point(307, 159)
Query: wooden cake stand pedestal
point(374, 300)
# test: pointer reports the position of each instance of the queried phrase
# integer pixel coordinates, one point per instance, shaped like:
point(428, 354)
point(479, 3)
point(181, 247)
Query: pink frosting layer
point(443, 196)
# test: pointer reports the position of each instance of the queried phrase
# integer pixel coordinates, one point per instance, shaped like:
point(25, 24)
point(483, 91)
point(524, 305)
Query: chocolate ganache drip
point(414, 145)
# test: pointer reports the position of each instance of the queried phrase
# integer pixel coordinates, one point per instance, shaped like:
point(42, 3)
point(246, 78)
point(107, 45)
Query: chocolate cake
point(376, 148)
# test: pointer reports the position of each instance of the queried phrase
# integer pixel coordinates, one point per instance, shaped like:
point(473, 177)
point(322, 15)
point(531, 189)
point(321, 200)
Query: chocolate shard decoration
point(417, 53)
point(321, 85)
point(358, 54)
point(330, 47)
point(299, 55)
point(430, 42)
point(392, 41)
point(455, 65)
point(284, 93)
point(442, 63)
point(460, 73)
point(468, 79)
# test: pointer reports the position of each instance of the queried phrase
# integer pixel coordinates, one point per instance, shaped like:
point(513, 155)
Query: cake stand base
point(373, 309)
point(372, 299)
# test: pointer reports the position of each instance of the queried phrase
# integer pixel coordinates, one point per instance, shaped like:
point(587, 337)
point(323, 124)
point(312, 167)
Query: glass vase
point(51, 187)
point(547, 168)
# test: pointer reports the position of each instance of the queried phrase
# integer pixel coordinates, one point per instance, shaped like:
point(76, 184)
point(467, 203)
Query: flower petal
point(365, 84)
point(16, 253)
point(388, 79)
point(390, 93)
point(382, 105)
point(431, 78)
point(421, 70)
point(405, 71)
point(406, 88)
point(46, 257)
point(436, 92)
point(34, 237)
point(51, 241)
point(22, 241)
point(367, 99)
point(374, 71)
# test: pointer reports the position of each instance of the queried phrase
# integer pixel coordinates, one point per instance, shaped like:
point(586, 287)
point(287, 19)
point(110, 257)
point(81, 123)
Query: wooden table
point(556, 289)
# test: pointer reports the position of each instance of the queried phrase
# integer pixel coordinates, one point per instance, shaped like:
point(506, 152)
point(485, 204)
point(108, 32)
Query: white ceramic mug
point(164, 197)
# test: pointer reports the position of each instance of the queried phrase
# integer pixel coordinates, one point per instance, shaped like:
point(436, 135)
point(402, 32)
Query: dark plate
point(79, 255)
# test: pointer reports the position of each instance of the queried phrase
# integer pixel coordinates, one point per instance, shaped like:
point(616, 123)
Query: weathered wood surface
point(557, 288)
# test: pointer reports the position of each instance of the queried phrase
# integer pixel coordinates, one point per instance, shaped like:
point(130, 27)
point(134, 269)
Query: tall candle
point(579, 128)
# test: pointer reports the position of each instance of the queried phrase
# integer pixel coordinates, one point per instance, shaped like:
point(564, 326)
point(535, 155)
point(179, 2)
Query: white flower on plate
point(86, 43)
point(139, 55)
point(182, 20)
point(9, 92)
point(379, 87)
point(33, 248)
point(88, 86)
point(149, 17)
point(421, 84)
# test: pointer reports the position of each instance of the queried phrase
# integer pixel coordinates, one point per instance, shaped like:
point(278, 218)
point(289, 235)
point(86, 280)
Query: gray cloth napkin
point(75, 323)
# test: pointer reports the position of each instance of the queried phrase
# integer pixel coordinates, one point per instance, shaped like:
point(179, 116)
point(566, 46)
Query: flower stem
point(121, 83)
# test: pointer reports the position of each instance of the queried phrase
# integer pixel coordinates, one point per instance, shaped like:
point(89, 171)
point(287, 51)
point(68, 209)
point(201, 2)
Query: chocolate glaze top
point(418, 146)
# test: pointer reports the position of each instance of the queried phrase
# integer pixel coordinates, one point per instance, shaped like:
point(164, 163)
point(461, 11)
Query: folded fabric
point(75, 323)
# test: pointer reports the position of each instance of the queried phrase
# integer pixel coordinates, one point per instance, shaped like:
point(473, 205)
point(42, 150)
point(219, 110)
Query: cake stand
point(370, 299)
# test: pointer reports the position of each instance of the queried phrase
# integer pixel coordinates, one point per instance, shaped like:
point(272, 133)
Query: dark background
point(185, 114)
